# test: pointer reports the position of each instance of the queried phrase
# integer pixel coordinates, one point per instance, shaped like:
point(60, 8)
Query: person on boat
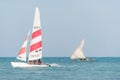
point(81, 59)
point(39, 62)
point(34, 61)
point(30, 61)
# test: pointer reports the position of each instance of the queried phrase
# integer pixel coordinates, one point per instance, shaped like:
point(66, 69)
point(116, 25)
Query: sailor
point(80, 59)
point(39, 62)
point(34, 61)
point(30, 61)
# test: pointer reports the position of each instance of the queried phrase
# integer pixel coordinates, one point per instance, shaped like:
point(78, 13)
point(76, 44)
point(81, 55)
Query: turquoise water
point(64, 69)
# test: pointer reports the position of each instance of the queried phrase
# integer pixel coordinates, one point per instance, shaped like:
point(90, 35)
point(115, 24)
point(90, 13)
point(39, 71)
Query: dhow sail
point(78, 52)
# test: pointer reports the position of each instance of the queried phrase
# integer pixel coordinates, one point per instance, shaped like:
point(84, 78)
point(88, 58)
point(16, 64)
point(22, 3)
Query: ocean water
point(63, 69)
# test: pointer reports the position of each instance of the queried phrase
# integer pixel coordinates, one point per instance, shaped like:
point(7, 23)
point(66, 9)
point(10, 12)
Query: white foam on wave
point(55, 65)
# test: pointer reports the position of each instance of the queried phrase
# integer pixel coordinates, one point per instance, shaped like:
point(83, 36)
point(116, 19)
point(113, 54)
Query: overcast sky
point(64, 24)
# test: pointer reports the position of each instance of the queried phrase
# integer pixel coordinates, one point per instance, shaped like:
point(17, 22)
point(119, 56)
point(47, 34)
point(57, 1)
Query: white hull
point(23, 64)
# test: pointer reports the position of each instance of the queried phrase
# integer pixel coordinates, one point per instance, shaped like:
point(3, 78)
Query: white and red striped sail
point(36, 41)
point(22, 52)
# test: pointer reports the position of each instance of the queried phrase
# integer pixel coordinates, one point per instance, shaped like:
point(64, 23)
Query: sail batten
point(78, 52)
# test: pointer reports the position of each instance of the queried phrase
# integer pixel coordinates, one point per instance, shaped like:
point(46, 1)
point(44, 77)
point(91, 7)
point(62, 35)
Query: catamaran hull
point(23, 65)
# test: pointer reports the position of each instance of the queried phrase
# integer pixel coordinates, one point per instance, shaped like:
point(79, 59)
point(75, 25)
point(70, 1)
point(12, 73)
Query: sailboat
point(79, 55)
point(35, 52)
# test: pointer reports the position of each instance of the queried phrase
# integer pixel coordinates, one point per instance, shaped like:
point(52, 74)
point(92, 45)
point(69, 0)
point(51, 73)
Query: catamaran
point(79, 55)
point(35, 53)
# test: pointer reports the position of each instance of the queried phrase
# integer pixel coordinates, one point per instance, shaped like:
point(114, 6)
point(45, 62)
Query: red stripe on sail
point(35, 46)
point(36, 33)
point(22, 50)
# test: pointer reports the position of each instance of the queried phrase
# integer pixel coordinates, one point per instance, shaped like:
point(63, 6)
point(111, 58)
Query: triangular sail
point(22, 52)
point(78, 52)
point(36, 41)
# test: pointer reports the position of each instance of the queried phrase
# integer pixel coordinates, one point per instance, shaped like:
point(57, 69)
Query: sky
point(64, 24)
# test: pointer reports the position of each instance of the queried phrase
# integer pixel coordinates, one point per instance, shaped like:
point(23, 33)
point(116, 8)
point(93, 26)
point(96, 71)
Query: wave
point(55, 65)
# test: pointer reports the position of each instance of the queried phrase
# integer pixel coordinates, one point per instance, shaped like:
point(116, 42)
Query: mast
point(36, 41)
point(78, 52)
point(22, 52)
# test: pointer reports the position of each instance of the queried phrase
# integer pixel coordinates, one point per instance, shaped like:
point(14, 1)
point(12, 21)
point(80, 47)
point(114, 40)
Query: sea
point(102, 68)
